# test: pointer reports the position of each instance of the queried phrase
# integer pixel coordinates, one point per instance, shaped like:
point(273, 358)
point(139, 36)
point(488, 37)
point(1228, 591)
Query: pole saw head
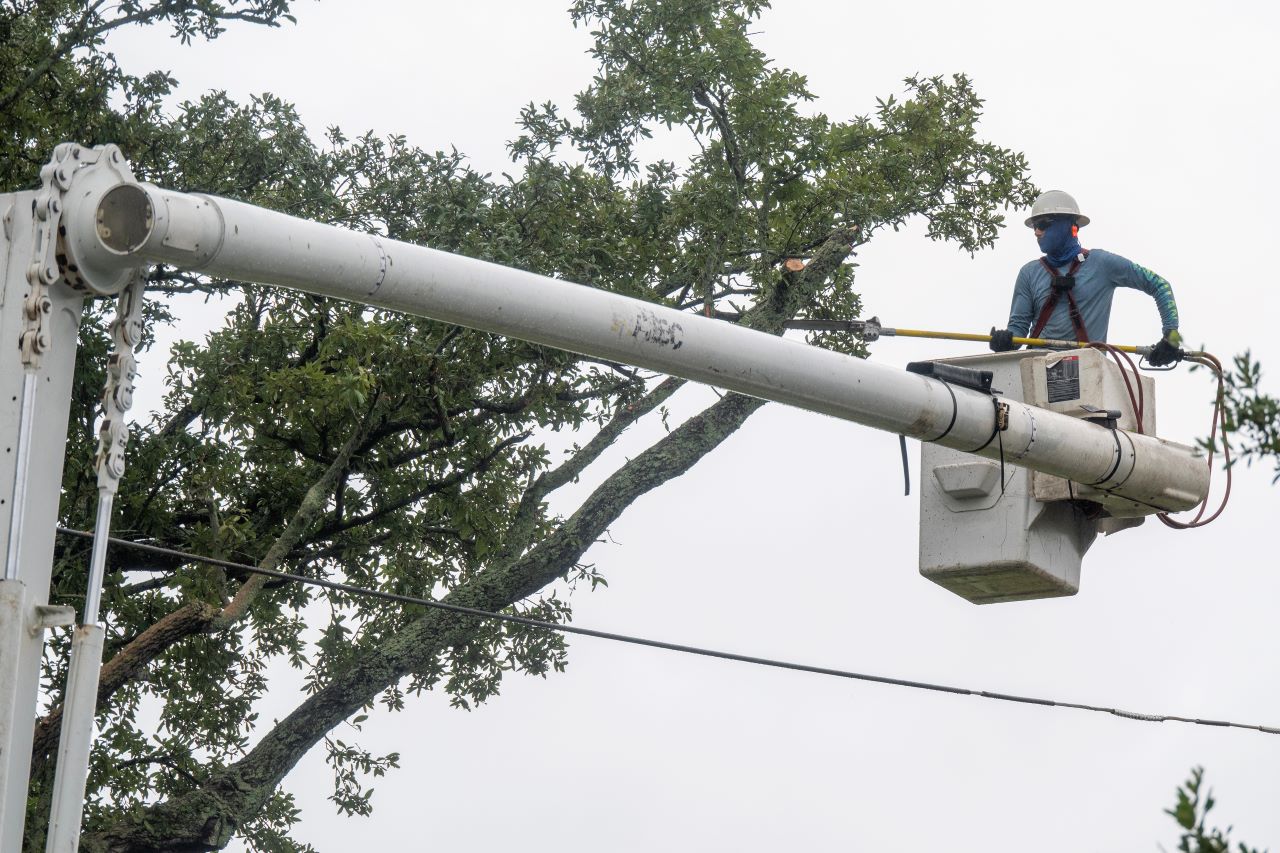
point(869, 329)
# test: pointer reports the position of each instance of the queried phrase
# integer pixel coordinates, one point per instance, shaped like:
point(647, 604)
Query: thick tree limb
point(520, 532)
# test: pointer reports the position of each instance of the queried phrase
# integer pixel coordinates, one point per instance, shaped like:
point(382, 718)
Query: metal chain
point(55, 180)
point(117, 395)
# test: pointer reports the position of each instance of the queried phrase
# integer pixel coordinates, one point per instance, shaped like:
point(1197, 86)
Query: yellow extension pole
point(873, 330)
point(1030, 342)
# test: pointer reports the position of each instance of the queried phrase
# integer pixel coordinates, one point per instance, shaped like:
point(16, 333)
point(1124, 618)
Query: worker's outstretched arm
point(1167, 350)
point(1129, 274)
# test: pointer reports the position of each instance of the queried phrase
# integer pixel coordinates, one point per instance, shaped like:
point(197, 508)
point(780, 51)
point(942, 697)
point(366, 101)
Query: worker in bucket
point(1066, 294)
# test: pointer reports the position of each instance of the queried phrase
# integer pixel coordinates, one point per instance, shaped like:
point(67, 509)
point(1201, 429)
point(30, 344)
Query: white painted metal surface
point(76, 739)
point(139, 222)
point(25, 403)
point(13, 786)
point(98, 558)
point(33, 559)
point(80, 704)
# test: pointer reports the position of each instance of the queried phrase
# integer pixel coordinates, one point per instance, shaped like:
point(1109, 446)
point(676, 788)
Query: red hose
point(1138, 403)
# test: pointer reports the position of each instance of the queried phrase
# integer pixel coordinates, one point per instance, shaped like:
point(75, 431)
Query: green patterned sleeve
point(1155, 286)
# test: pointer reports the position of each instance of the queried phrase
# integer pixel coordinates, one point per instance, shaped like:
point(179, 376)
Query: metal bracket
point(54, 257)
point(1002, 416)
point(954, 374)
point(51, 616)
point(1108, 418)
point(95, 171)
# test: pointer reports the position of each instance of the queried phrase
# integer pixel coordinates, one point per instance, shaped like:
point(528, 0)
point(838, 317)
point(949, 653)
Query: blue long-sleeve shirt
point(1096, 280)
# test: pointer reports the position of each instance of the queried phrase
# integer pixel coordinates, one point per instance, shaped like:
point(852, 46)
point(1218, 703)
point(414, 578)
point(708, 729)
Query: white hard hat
point(1054, 203)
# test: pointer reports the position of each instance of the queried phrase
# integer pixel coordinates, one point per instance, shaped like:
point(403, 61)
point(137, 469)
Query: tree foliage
point(406, 455)
point(1252, 416)
point(1192, 813)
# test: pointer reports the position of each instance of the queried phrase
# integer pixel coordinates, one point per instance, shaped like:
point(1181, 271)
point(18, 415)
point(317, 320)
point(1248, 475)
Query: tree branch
point(311, 507)
point(521, 531)
point(732, 154)
point(68, 42)
point(418, 494)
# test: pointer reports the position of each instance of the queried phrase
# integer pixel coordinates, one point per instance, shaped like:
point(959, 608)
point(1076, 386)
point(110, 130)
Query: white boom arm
point(134, 223)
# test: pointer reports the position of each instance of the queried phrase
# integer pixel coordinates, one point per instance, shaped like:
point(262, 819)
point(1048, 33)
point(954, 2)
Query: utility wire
point(660, 644)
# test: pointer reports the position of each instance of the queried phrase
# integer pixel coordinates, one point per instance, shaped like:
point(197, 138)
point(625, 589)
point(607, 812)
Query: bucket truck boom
point(92, 228)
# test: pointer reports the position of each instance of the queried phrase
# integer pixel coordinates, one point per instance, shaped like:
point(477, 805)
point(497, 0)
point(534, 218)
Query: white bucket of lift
point(1026, 540)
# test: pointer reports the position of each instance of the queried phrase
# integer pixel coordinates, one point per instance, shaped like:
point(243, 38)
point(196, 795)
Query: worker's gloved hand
point(1002, 340)
point(1166, 350)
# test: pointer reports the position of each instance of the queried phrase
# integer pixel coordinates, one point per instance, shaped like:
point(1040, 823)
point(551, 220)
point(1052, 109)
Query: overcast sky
point(793, 540)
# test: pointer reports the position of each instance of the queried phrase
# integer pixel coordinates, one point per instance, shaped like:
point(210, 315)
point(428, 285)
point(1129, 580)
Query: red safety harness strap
point(1059, 285)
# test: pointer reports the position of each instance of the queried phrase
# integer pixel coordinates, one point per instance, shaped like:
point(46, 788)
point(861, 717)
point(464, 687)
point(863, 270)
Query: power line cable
point(661, 644)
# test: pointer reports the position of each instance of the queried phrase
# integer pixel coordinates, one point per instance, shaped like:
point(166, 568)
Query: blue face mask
point(1058, 243)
